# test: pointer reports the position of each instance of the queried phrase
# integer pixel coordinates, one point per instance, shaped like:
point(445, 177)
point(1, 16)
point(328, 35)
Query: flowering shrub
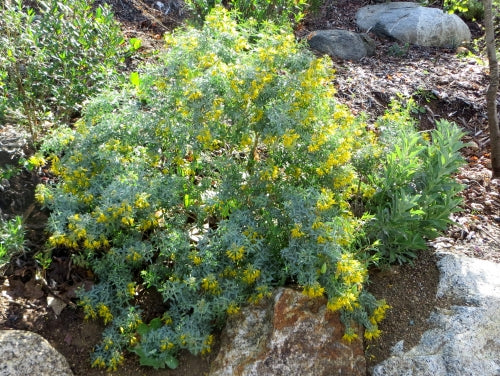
point(221, 172)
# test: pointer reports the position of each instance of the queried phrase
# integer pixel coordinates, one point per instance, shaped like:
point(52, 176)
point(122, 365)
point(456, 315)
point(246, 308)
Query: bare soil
point(445, 85)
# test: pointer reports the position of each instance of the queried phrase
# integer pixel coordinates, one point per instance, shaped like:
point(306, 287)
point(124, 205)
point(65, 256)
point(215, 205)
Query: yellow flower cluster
point(62, 240)
point(88, 310)
point(167, 319)
point(233, 308)
point(350, 270)
point(115, 361)
point(43, 195)
point(236, 253)
point(211, 285)
point(99, 363)
point(379, 313)
point(262, 292)
point(131, 288)
point(37, 160)
point(372, 333)
point(313, 291)
point(296, 231)
point(104, 312)
point(195, 258)
point(133, 255)
point(326, 200)
point(289, 139)
point(350, 335)
point(250, 275)
point(207, 344)
point(347, 300)
point(166, 345)
point(141, 200)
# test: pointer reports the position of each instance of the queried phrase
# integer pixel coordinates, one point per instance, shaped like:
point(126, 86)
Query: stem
point(254, 156)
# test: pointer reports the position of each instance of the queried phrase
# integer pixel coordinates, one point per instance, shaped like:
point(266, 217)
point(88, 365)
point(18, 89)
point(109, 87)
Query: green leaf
point(135, 43)
point(323, 268)
point(135, 79)
point(149, 358)
point(171, 362)
point(155, 323)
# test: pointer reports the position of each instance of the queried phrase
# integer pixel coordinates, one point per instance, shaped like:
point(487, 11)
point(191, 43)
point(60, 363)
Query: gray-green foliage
point(53, 57)
point(416, 190)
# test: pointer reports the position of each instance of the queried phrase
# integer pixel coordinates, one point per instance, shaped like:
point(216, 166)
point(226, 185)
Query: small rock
point(477, 206)
point(473, 145)
point(341, 44)
point(56, 304)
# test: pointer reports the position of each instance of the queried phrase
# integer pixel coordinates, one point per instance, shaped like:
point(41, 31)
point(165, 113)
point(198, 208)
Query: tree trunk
point(491, 94)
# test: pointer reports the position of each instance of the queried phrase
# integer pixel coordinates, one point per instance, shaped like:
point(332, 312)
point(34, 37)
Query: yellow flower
point(321, 240)
point(166, 345)
point(104, 312)
point(131, 288)
point(141, 200)
point(372, 333)
point(379, 312)
point(210, 284)
point(296, 232)
point(250, 275)
point(314, 291)
point(207, 345)
point(167, 319)
point(347, 301)
point(232, 309)
point(326, 200)
point(236, 253)
point(102, 218)
point(98, 362)
point(289, 139)
point(350, 335)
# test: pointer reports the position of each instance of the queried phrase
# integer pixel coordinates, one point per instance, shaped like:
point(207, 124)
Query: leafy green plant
point(416, 191)
point(469, 9)
point(277, 11)
point(398, 50)
point(12, 240)
point(52, 58)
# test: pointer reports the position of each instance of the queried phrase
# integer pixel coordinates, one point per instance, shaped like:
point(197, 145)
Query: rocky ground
point(444, 83)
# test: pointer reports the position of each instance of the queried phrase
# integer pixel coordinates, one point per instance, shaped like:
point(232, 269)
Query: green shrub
point(53, 58)
point(277, 11)
point(12, 240)
point(216, 175)
point(415, 188)
point(470, 9)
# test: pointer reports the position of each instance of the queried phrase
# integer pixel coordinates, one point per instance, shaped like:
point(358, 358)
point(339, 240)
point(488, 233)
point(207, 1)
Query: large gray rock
point(412, 23)
point(341, 44)
point(465, 339)
point(293, 336)
point(26, 354)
